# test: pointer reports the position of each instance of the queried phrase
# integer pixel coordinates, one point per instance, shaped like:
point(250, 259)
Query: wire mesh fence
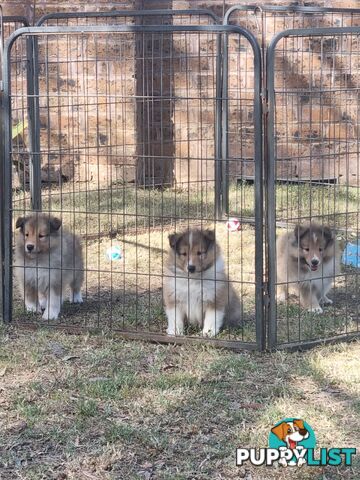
point(314, 144)
point(142, 133)
point(129, 145)
point(311, 176)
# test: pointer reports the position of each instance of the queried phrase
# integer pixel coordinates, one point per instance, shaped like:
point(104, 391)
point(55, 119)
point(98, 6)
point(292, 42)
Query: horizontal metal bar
point(236, 345)
point(16, 19)
point(129, 29)
point(313, 32)
point(287, 9)
point(307, 345)
point(127, 13)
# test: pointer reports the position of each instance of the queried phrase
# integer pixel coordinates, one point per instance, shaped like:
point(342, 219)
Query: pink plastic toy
point(233, 225)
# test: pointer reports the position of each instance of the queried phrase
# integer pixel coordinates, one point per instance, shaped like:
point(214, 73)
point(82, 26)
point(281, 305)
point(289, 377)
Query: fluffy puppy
point(196, 287)
point(307, 261)
point(48, 260)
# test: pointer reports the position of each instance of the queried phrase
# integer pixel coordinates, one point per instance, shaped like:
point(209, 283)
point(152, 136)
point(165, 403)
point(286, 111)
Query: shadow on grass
point(133, 410)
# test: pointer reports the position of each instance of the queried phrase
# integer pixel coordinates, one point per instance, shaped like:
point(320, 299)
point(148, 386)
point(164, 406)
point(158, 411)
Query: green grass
point(131, 409)
point(87, 408)
point(122, 208)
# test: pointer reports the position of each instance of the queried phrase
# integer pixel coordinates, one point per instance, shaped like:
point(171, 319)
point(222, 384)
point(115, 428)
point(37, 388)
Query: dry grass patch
point(80, 407)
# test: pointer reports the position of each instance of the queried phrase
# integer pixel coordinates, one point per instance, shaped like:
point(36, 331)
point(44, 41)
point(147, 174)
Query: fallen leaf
point(168, 367)
point(3, 371)
point(254, 406)
point(70, 357)
point(17, 427)
point(62, 476)
point(57, 349)
point(145, 474)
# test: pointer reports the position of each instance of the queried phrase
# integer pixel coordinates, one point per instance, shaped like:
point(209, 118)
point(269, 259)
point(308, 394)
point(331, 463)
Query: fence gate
point(313, 138)
point(129, 147)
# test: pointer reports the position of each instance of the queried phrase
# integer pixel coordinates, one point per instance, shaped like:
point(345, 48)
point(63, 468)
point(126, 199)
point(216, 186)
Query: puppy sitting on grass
point(48, 260)
point(196, 287)
point(307, 261)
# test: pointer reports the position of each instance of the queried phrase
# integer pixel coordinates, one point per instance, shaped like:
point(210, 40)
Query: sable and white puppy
point(307, 261)
point(48, 260)
point(196, 287)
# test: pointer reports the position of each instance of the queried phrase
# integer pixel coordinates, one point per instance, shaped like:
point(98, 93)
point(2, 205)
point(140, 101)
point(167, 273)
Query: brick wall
point(158, 126)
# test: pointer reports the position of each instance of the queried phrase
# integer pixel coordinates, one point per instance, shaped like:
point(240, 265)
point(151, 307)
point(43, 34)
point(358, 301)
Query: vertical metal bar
point(32, 74)
point(259, 204)
point(1, 35)
point(271, 203)
point(225, 125)
point(265, 168)
point(6, 197)
point(1, 162)
point(2, 178)
point(218, 132)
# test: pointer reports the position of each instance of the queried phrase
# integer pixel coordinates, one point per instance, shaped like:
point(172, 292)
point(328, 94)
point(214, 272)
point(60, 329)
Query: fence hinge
point(264, 102)
point(266, 295)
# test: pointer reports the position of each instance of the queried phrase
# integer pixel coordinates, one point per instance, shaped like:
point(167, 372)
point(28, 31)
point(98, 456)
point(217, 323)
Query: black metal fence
point(131, 127)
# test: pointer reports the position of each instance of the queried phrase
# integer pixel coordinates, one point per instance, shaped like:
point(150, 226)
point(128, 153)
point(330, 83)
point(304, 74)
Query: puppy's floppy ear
point(173, 239)
point(328, 235)
point(20, 222)
point(299, 231)
point(55, 224)
point(280, 431)
point(209, 235)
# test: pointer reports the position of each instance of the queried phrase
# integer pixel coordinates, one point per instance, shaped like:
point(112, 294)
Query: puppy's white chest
point(322, 277)
point(194, 294)
point(195, 289)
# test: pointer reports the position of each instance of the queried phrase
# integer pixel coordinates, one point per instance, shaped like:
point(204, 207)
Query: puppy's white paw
point(50, 314)
point(31, 308)
point(316, 309)
point(76, 298)
point(175, 331)
point(281, 297)
point(211, 332)
point(327, 301)
point(42, 304)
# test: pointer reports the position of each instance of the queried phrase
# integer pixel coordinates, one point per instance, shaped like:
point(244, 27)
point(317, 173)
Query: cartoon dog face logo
point(293, 438)
point(291, 432)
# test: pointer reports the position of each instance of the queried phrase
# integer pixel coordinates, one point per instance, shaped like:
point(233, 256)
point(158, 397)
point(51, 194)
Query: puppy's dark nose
point(191, 268)
point(30, 247)
point(314, 262)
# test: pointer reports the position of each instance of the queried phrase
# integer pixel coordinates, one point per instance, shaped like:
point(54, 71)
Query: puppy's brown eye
point(183, 254)
point(320, 249)
point(42, 236)
point(199, 253)
point(307, 249)
point(26, 234)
